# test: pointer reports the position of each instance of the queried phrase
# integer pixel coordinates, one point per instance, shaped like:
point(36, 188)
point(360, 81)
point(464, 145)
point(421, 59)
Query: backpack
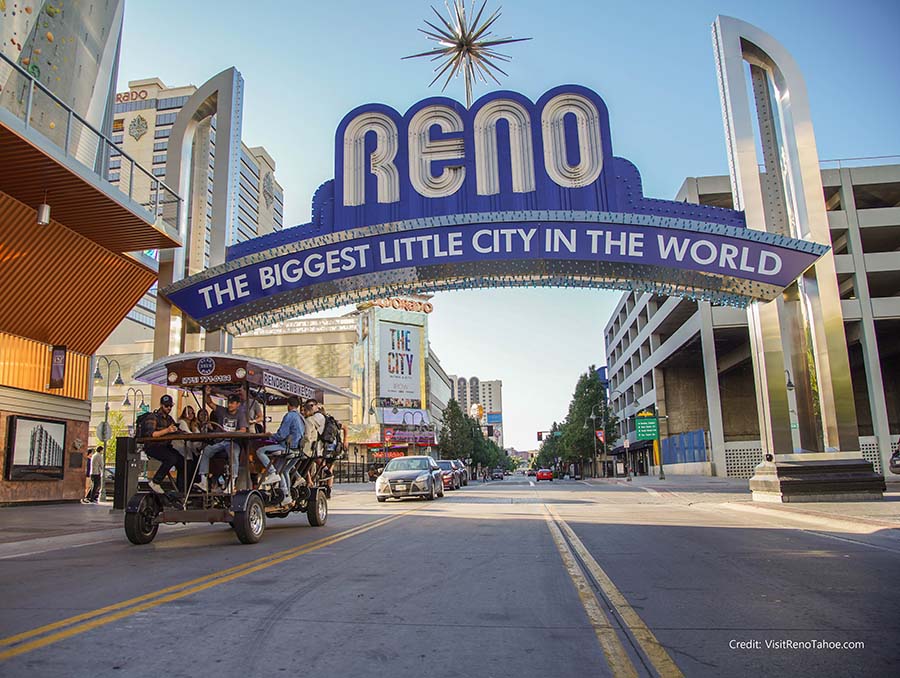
point(331, 434)
point(146, 424)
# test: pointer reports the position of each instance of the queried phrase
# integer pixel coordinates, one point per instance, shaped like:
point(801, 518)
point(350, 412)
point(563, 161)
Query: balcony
point(51, 154)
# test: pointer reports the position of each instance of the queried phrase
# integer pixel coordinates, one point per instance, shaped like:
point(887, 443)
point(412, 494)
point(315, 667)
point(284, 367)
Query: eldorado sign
point(507, 193)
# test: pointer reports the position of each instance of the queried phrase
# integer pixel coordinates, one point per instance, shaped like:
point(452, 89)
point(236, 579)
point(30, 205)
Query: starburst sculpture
point(466, 48)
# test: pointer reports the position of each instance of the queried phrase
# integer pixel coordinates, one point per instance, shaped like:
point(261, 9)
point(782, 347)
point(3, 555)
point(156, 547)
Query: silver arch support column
point(800, 359)
point(186, 167)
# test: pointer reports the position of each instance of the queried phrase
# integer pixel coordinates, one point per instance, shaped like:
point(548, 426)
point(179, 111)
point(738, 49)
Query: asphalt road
point(500, 579)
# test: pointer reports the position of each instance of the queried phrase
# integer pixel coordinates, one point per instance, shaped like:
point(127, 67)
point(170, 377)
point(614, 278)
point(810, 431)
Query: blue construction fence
point(684, 448)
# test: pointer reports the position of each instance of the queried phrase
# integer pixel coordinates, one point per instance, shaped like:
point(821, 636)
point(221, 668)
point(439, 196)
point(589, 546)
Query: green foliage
point(119, 427)
point(550, 449)
point(462, 438)
point(573, 440)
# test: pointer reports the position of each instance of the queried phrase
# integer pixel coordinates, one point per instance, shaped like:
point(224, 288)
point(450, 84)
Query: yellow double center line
point(66, 628)
point(607, 633)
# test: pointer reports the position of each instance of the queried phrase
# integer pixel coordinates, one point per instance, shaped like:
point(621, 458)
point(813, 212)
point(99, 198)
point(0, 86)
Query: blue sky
point(305, 65)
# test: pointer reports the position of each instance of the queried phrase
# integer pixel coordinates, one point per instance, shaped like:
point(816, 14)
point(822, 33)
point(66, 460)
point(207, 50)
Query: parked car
point(418, 476)
point(497, 474)
point(450, 474)
point(463, 471)
point(544, 474)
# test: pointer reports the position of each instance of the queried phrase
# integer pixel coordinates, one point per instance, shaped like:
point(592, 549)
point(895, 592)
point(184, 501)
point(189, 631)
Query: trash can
point(128, 468)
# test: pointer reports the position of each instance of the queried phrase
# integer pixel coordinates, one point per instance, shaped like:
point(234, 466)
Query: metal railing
point(871, 161)
point(350, 472)
point(42, 111)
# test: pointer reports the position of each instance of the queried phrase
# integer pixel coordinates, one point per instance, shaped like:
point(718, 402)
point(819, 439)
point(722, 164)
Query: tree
point(118, 427)
point(551, 448)
point(456, 439)
point(578, 435)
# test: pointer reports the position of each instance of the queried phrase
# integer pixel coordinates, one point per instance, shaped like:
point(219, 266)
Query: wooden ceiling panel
point(58, 286)
point(28, 174)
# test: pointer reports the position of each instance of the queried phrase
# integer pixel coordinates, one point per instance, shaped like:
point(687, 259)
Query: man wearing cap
point(157, 426)
point(232, 419)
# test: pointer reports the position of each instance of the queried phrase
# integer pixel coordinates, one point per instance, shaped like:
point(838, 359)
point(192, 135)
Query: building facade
point(76, 235)
point(143, 118)
point(692, 360)
point(488, 394)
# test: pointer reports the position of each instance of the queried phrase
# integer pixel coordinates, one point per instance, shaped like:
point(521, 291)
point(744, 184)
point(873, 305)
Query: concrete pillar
point(869, 340)
point(713, 396)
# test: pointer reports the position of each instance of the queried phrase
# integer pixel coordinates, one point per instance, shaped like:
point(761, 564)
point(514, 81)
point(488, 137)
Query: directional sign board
point(104, 431)
point(647, 428)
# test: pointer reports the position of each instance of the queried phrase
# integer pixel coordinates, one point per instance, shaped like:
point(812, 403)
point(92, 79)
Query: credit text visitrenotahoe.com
point(788, 644)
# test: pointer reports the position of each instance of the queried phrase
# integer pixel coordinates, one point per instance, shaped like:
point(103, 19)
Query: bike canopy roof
point(226, 372)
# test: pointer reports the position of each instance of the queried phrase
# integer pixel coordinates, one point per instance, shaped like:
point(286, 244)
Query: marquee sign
point(507, 193)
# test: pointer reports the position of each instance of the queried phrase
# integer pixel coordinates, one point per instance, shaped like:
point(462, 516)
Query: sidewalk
point(735, 492)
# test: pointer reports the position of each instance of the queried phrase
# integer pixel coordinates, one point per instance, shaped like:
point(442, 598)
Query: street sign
point(601, 436)
point(104, 431)
point(627, 443)
point(647, 428)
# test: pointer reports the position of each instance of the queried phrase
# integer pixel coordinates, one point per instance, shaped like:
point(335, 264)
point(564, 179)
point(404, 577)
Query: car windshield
point(407, 465)
point(446, 465)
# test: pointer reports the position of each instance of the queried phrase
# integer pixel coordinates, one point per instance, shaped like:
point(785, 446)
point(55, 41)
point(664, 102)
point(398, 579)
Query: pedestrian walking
point(95, 472)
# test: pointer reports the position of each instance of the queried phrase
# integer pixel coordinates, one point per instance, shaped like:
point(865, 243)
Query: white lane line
point(851, 541)
point(531, 482)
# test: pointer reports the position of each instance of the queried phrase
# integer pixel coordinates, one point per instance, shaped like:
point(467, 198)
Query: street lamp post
point(134, 406)
point(416, 427)
point(607, 397)
point(373, 413)
point(593, 418)
point(104, 433)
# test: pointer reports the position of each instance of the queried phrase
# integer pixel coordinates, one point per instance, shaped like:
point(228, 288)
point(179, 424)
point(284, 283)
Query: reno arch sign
point(507, 193)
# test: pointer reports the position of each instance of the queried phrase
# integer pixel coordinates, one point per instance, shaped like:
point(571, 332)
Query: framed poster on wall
point(35, 449)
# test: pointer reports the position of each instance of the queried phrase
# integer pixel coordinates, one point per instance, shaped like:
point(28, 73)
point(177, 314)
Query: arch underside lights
point(520, 267)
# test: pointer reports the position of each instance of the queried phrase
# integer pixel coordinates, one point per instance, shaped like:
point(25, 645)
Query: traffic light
point(490, 431)
point(540, 436)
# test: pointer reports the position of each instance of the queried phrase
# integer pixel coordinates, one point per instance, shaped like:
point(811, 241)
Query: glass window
point(161, 146)
point(159, 171)
point(171, 102)
point(162, 133)
point(134, 106)
point(159, 158)
point(166, 118)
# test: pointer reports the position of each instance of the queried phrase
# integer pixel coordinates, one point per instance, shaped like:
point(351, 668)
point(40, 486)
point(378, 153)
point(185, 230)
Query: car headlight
point(423, 478)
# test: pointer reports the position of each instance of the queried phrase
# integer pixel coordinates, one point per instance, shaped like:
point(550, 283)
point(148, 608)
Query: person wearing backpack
point(289, 435)
point(315, 428)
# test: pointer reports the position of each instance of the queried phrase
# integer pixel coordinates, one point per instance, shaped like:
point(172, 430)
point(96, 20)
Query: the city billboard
point(401, 365)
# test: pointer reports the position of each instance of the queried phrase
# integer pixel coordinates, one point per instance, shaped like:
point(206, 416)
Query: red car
point(545, 474)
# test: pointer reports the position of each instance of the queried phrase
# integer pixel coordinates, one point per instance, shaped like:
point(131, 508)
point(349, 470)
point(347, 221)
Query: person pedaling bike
point(232, 418)
point(288, 436)
point(156, 425)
